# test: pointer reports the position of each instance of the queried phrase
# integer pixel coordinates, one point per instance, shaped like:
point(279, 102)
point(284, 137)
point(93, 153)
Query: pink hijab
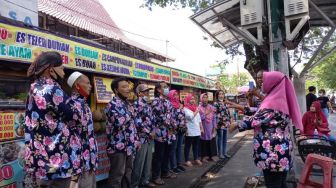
point(187, 104)
point(204, 109)
point(281, 96)
point(174, 101)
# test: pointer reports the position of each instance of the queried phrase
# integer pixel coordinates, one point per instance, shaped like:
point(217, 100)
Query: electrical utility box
point(251, 17)
point(296, 21)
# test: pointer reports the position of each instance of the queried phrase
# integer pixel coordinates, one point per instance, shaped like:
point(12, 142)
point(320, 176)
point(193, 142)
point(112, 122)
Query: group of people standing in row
point(135, 128)
point(61, 149)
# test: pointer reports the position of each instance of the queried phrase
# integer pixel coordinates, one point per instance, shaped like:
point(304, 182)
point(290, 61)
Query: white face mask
point(145, 98)
point(165, 91)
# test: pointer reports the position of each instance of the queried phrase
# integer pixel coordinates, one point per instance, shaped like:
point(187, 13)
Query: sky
point(185, 39)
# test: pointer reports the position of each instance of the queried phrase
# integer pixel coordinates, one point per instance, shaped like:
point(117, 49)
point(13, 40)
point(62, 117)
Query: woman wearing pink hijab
point(175, 148)
point(271, 124)
point(194, 129)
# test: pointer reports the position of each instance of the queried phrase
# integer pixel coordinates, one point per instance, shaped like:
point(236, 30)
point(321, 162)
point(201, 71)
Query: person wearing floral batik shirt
point(163, 119)
point(144, 123)
point(272, 141)
point(122, 135)
point(179, 117)
point(81, 89)
point(50, 141)
point(223, 122)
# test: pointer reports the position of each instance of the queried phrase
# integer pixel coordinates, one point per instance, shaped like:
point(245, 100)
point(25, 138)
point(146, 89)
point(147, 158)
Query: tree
point(257, 56)
point(232, 82)
point(324, 75)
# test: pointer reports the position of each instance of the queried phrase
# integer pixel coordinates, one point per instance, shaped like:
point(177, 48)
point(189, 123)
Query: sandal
point(198, 162)
point(188, 164)
point(158, 181)
point(169, 176)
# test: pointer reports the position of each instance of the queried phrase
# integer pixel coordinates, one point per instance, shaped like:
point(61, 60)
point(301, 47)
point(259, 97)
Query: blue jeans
point(325, 112)
point(172, 155)
point(221, 142)
point(179, 140)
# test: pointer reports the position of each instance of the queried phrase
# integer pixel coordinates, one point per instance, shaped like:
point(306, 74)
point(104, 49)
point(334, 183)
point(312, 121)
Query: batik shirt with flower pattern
point(180, 122)
point(163, 119)
point(84, 126)
point(143, 120)
point(120, 127)
point(223, 117)
point(51, 147)
point(272, 144)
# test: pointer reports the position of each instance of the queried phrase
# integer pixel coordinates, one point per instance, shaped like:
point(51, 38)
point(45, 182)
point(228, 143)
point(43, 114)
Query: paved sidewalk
point(238, 168)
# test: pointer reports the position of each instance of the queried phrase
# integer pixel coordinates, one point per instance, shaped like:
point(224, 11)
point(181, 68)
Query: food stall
point(186, 82)
point(20, 46)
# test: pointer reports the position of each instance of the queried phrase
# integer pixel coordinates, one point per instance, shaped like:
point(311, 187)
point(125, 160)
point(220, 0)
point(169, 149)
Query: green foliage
point(325, 74)
point(195, 5)
point(231, 82)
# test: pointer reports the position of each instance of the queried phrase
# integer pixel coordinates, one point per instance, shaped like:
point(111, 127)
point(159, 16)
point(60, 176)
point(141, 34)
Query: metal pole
point(271, 62)
point(278, 58)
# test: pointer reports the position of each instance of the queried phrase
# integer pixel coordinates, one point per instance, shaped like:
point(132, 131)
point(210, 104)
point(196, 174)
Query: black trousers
point(275, 179)
point(160, 159)
point(193, 141)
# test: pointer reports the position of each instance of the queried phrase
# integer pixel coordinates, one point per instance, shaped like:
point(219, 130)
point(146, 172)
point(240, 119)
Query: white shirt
point(193, 123)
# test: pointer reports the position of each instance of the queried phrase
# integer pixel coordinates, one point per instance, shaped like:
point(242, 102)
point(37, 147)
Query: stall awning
point(209, 21)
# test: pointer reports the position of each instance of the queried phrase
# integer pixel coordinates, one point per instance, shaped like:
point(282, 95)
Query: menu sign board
point(23, 44)
point(103, 89)
point(11, 164)
point(11, 125)
point(187, 79)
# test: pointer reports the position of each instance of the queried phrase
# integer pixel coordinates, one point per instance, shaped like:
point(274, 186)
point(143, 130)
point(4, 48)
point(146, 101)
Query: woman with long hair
point(223, 122)
point(208, 138)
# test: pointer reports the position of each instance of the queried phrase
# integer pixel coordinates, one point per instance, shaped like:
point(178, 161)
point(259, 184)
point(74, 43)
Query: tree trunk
point(256, 59)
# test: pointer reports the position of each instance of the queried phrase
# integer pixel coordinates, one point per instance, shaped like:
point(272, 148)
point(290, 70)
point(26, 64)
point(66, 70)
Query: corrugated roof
point(86, 14)
point(89, 15)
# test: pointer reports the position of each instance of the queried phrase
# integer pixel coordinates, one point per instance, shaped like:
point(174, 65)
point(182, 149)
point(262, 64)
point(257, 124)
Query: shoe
point(181, 168)
point(222, 157)
point(172, 172)
point(177, 170)
point(227, 156)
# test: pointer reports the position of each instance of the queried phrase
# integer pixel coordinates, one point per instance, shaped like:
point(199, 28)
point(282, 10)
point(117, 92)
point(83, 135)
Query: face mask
point(145, 98)
point(221, 100)
point(58, 79)
point(81, 91)
point(121, 96)
point(165, 91)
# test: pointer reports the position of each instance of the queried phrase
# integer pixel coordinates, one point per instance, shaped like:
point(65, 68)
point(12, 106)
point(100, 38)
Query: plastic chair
point(325, 163)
